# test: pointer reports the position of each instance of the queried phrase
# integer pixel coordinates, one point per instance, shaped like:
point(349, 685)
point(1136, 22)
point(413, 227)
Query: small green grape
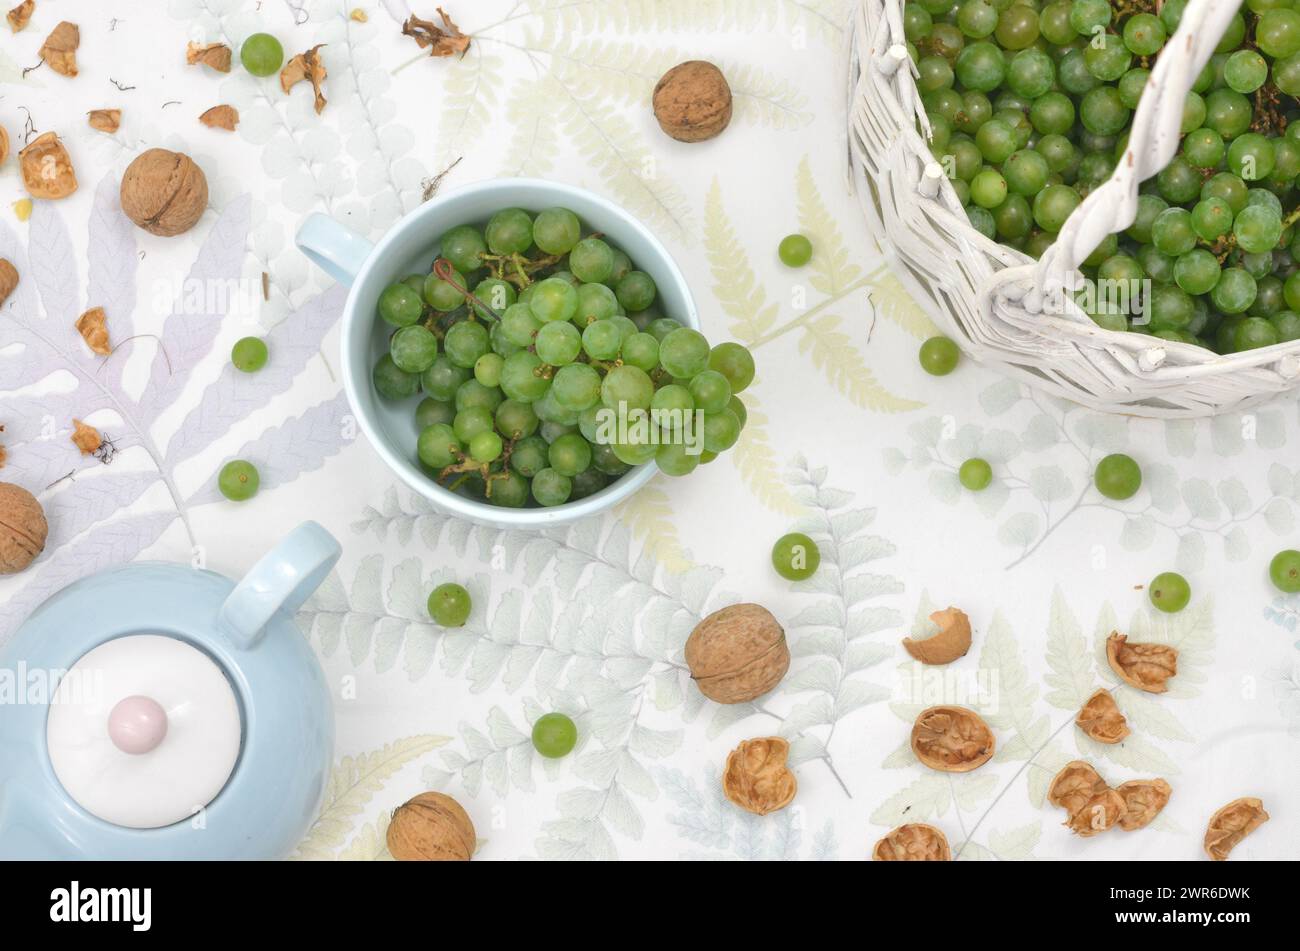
point(796, 556)
point(485, 447)
point(939, 356)
point(238, 480)
point(262, 54)
point(1169, 592)
point(795, 250)
point(449, 605)
point(399, 305)
point(1284, 570)
point(249, 354)
point(1118, 477)
point(735, 362)
point(975, 474)
point(554, 735)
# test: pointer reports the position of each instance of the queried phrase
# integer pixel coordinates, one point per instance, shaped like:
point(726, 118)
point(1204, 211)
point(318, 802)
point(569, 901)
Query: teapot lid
point(144, 731)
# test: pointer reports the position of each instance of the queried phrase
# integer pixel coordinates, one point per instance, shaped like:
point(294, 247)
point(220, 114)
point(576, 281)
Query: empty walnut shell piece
point(60, 49)
point(1143, 800)
point(47, 168)
point(914, 842)
point(1145, 666)
point(164, 192)
point(8, 279)
point(1075, 786)
point(1098, 814)
point(756, 777)
point(1101, 720)
point(23, 528)
point(737, 654)
point(1231, 824)
point(692, 101)
point(952, 640)
point(952, 739)
point(432, 827)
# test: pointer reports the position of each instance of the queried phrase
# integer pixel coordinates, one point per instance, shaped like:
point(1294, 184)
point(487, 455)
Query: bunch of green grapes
point(547, 366)
point(1030, 104)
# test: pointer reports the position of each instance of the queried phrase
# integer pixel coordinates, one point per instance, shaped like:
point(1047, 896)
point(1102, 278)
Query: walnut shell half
point(1075, 786)
point(23, 528)
point(1101, 720)
point(914, 842)
point(47, 168)
point(164, 192)
point(1143, 800)
point(952, 640)
point(737, 654)
point(1098, 814)
point(1231, 824)
point(756, 777)
point(432, 827)
point(692, 101)
point(1145, 666)
point(952, 739)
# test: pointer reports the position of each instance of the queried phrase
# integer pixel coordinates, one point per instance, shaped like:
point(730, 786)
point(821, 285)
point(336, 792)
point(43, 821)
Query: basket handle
point(1153, 140)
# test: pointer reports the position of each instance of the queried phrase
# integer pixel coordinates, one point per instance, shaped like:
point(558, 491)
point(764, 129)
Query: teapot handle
point(282, 580)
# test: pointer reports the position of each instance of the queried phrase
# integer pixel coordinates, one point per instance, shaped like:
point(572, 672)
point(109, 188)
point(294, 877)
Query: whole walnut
point(22, 528)
point(737, 654)
point(693, 101)
point(164, 192)
point(432, 827)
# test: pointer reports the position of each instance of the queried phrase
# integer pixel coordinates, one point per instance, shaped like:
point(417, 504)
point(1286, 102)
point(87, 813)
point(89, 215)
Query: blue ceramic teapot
point(156, 711)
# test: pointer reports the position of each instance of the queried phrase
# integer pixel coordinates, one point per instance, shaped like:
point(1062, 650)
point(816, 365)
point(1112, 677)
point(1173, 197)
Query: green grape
point(449, 605)
point(983, 221)
point(676, 459)
point(509, 231)
point(1270, 296)
point(1072, 74)
point(556, 230)
point(1253, 333)
point(413, 349)
point(1159, 267)
point(1228, 112)
point(558, 343)
point(996, 141)
point(1277, 33)
point(1204, 148)
point(710, 390)
point(721, 430)
point(946, 40)
point(981, 66)
point(1052, 114)
point(1197, 271)
point(917, 22)
point(238, 480)
point(641, 350)
point(1171, 308)
point(977, 18)
point(939, 356)
point(515, 420)
point(1178, 182)
point(1144, 34)
point(1284, 571)
point(522, 378)
point(1031, 73)
point(604, 460)
point(1235, 291)
point(975, 109)
point(635, 454)
point(444, 295)
point(684, 352)
point(735, 362)
point(554, 735)
point(551, 488)
point(1169, 592)
point(1171, 13)
point(1212, 218)
point(485, 447)
point(934, 73)
point(554, 299)
point(1058, 151)
point(465, 342)
point(493, 296)
point(587, 482)
point(622, 265)
point(1107, 57)
point(1251, 156)
point(432, 411)
point(595, 302)
point(602, 340)
point(988, 189)
point(1286, 76)
point(1131, 86)
point(975, 474)
point(1257, 229)
point(1172, 232)
point(1245, 71)
point(1054, 23)
point(1103, 112)
point(393, 383)
point(796, 557)
point(1086, 16)
point(1228, 187)
point(550, 410)
point(261, 54)
point(576, 386)
point(416, 283)
point(627, 387)
point(1017, 27)
point(1053, 205)
point(1012, 218)
point(471, 421)
point(673, 399)
point(464, 247)
point(1287, 325)
point(569, 454)
point(399, 305)
point(438, 446)
point(795, 250)
point(518, 325)
point(487, 369)
point(249, 354)
point(508, 490)
point(443, 379)
point(1291, 290)
point(592, 261)
point(529, 456)
point(636, 290)
point(1264, 199)
point(1118, 477)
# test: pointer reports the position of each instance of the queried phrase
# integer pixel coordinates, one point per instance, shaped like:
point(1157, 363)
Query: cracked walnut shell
point(105, 120)
point(164, 192)
point(1144, 666)
point(23, 528)
point(756, 777)
point(213, 55)
point(1098, 814)
point(951, 642)
point(914, 842)
point(93, 327)
point(1143, 800)
point(692, 102)
point(221, 117)
point(432, 827)
point(307, 66)
point(1231, 824)
point(1074, 786)
point(737, 654)
point(47, 168)
point(60, 48)
point(1101, 720)
point(952, 739)
point(8, 279)
point(20, 14)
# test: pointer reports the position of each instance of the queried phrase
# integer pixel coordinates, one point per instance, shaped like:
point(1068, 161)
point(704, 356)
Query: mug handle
point(282, 580)
point(337, 250)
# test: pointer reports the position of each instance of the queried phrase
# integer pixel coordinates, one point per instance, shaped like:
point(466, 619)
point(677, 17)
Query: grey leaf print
point(112, 260)
point(54, 269)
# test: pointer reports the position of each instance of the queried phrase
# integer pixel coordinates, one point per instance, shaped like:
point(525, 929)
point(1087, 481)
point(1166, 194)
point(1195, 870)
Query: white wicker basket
point(1007, 310)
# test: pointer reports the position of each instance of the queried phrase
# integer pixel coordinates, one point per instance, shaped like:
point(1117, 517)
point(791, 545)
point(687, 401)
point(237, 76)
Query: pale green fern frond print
point(758, 464)
point(1072, 670)
point(352, 785)
point(834, 354)
point(735, 284)
point(534, 141)
point(649, 516)
point(895, 304)
point(370, 844)
point(832, 267)
point(468, 94)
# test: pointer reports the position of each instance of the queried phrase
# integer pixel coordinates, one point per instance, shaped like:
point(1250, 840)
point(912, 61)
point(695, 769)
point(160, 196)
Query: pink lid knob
point(137, 724)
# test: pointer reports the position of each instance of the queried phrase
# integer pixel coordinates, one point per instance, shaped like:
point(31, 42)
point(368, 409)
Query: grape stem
point(443, 270)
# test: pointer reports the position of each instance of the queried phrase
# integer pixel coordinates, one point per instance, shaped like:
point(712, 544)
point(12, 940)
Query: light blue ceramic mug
point(409, 248)
point(282, 712)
